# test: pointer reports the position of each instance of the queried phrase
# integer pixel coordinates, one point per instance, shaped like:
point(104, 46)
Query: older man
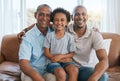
point(31, 54)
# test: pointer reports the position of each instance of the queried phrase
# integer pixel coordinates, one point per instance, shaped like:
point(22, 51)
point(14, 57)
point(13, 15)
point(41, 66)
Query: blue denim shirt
point(32, 49)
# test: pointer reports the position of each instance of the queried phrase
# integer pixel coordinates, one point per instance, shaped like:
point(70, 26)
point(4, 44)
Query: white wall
point(118, 29)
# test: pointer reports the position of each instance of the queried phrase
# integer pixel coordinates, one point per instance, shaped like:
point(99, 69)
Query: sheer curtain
point(110, 21)
point(11, 17)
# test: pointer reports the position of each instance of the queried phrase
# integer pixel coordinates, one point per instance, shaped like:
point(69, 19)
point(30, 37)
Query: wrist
point(26, 29)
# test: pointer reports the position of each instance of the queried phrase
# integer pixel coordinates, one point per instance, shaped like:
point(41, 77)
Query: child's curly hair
point(60, 10)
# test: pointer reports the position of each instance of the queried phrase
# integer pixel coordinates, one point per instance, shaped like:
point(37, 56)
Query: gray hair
point(43, 5)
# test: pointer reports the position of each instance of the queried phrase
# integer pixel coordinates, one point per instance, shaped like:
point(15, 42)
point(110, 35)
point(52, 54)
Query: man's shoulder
point(30, 34)
point(96, 35)
point(94, 32)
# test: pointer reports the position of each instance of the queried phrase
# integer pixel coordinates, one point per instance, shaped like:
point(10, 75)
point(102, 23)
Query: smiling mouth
point(80, 20)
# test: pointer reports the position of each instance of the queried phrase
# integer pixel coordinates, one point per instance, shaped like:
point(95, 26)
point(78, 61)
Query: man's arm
point(22, 33)
point(29, 71)
point(100, 67)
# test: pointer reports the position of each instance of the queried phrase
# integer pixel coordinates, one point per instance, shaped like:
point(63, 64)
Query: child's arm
point(50, 56)
point(47, 53)
point(64, 57)
point(69, 55)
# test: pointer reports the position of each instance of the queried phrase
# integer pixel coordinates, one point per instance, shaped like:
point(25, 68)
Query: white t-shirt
point(63, 45)
point(90, 40)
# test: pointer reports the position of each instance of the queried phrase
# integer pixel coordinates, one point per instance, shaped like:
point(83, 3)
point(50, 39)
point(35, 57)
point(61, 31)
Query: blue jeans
point(86, 72)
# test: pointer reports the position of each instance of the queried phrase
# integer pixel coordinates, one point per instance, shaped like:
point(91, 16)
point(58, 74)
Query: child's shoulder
point(50, 34)
point(68, 35)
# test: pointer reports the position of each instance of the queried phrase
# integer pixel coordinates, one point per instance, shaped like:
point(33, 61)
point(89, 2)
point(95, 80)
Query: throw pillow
point(93, 58)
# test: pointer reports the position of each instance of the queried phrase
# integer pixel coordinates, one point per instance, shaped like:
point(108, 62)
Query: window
point(94, 12)
point(31, 6)
point(15, 15)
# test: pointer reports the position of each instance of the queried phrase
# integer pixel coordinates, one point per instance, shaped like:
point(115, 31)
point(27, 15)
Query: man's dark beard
point(77, 27)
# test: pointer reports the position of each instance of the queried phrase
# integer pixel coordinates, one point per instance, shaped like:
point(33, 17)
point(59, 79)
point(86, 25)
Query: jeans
point(52, 66)
point(86, 72)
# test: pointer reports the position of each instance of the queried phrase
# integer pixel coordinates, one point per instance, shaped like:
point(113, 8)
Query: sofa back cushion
point(114, 50)
point(10, 48)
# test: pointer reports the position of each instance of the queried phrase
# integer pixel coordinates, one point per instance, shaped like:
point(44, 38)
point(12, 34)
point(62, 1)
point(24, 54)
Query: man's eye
point(62, 19)
point(83, 14)
point(55, 19)
point(48, 15)
point(77, 14)
point(41, 14)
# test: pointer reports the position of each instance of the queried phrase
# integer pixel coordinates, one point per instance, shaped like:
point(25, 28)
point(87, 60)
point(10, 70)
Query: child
point(60, 47)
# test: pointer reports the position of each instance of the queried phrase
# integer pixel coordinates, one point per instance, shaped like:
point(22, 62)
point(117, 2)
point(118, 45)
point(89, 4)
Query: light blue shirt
point(32, 49)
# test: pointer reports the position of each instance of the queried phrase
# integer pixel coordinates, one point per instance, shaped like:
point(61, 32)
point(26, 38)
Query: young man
point(87, 39)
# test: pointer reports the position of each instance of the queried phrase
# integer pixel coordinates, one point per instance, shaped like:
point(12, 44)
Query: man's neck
point(42, 30)
point(80, 31)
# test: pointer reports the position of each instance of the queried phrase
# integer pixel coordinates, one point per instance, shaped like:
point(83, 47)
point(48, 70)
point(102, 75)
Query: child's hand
point(57, 58)
point(65, 60)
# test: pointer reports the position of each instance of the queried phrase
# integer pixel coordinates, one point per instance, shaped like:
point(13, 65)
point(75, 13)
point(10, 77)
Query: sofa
point(9, 64)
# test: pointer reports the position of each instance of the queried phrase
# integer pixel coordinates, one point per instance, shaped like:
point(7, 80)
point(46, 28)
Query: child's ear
point(66, 24)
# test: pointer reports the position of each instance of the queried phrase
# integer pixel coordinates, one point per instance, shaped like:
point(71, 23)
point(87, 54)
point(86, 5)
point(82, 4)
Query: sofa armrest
point(114, 69)
point(1, 57)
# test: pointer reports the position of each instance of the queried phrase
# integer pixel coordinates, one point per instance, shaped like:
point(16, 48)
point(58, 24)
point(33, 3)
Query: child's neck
point(59, 34)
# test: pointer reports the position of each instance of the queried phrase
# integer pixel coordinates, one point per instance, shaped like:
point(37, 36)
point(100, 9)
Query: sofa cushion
point(9, 71)
point(114, 76)
point(114, 53)
point(10, 68)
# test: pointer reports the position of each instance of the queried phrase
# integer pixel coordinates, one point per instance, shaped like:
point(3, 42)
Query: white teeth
point(59, 26)
point(80, 21)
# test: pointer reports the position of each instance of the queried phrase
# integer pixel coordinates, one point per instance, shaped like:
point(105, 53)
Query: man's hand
point(95, 29)
point(22, 33)
point(19, 35)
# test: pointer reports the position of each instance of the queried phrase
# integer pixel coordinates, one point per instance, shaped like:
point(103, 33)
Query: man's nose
point(45, 17)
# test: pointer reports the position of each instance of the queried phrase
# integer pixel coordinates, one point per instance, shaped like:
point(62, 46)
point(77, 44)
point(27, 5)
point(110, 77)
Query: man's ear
point(35, 14)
